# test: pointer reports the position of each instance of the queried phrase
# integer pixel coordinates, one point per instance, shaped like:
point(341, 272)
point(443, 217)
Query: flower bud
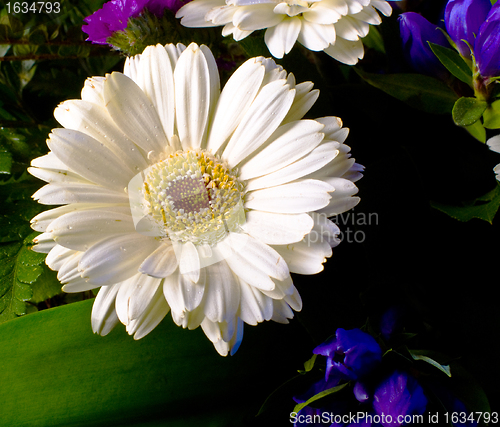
point(487, 44)
point(416, 32)
point(463, 18)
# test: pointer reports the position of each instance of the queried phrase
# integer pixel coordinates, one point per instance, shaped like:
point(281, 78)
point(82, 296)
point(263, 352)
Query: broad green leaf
point(55, 372)
point(477, 130)
point(453, 62)
point(468, 111)
point(419, 91)
point(491, 116)
point(422, 355)
point(318, 396)
point(484, 207)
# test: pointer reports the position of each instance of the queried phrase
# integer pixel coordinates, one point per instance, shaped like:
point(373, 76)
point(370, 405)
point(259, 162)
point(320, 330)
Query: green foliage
point(468, 111)
point(423, 92)
point(148, 29)
point(484, 207)
point(491, 116)
point(56, 372)
point(453, 62)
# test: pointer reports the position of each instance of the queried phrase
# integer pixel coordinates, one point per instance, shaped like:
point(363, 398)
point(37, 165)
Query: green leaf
point(453, 62)
point(55, 372)
point(5, 161)
point(468, 111)
point(20, 267)
point(419, 91)
point(491, 116)
point(422, 355)
point(484, 207)
point(477, 130)
point(374, 40)
point(309, 364)
point(318, 396)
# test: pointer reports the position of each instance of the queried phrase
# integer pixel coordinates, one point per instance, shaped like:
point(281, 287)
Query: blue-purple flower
point(350, 354)
point(398, 396)
point(487, 44)
point(115, 14)
point(463, 18)
point(416, 32)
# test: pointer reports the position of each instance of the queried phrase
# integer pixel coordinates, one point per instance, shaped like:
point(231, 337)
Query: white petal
point(151, 316)
point(43, 219)
point(60, 194)
point(58, 256)
point(305, 257)
point(81, 229)
point(133, 112)
point(189, 262)
point(104, 316)
point(296, 197)
point(193, 13)
point(222, 293)
point(302, 103)
point(92, 90)
point(313, 161)
point(281, 38)
point(321, 13)
point(258, 255)
point(277, 229)
point(134, 297)
point(116, 258)
point(235, 99)
point(156, 78)
point(161, 263)
point(256, 17)
point(44, 243)
point(255, 307)
point(193, 292)
point(352, 29)
point(89, 158)
point(192, 96)
point(95, 121)
point(317, 36)
point(289, 143)
point(260, 121)
point(345, 51)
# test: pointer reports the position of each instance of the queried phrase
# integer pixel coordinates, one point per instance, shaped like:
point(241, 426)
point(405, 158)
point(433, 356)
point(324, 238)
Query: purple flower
point(487, 44)
point(397, 396)
point(416, 32)
point(350, 354)
point(463, 18)
point(115, 14)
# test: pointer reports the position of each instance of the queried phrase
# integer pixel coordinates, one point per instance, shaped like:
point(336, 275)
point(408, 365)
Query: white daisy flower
point(179, 197)
point(494, 145)
point(334, 26)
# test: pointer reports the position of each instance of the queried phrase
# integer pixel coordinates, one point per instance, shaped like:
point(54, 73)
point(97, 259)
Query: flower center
point(193, 196)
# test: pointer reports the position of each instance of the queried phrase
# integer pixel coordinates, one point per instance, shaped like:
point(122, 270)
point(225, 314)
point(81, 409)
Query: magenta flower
point(115, 14)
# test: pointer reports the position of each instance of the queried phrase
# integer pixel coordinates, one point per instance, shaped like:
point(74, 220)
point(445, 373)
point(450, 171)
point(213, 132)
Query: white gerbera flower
point(334, 26)
point(179, 197)
point(494, 145)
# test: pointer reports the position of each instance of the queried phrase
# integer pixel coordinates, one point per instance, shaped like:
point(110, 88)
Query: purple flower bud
point(463, 18)
point(397, 396)
point(416, 32)
point(350, 354)
point(487, 45)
